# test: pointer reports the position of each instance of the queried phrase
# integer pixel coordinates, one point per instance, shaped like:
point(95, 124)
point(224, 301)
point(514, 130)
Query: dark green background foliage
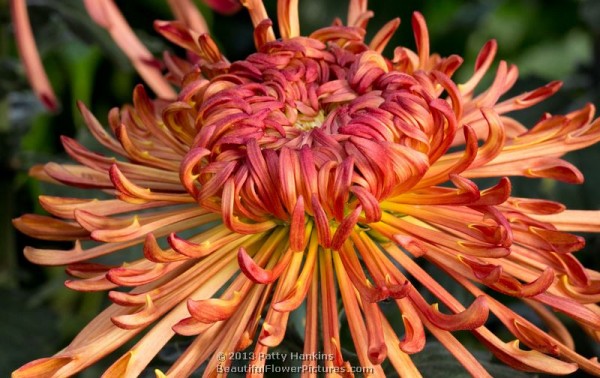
point(547, 39)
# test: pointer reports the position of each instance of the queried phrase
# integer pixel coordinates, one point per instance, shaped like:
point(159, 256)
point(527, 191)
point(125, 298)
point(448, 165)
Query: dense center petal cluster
point(321, 126)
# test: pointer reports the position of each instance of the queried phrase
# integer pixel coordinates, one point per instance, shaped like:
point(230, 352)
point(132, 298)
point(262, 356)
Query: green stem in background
point(8, 260)
point(82, 62)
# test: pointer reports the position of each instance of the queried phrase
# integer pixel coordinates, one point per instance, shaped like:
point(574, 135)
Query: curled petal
point(232, 221)
point(467, 193)
point(495, 195)
point(214, 310)
point(535, 206)
point(575, 271)
point(216, 238)
point(421, 38)
point(535, 339)
point(189, 163)
point(258, 274)
point(412, 245)
point(215, 183)
point(495, 141)
point(86, 270)
point(487, 273)
point(188, 248)
point(450, 87)
point(531, 98)
point(97, 283)
point(125, 276)
point(556, 169)
point(341, 187)
point(153, 252)
point(473, 317)
point(273, 333)
point(539, 285)
point(369, 67)
point(178, 33)
point(191, 327)
point(482, 65)
point(258, 13)
point(209, 49)
point(295, 297)
point(531, 360)
point(263, 32)
point(368, 202)
point(414, 334)
point(139, 319)
point(441, 110)
point(98, 131)
point(133, 193)
point(47, 228)
point(345, 228)
point(298, 238)
point(309, 173)
point(562, 242)
point(377, 350)
point(322, 222)
point(383, 36)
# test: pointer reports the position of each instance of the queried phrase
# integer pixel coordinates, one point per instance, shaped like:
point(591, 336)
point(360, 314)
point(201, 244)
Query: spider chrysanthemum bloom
point(314, 171)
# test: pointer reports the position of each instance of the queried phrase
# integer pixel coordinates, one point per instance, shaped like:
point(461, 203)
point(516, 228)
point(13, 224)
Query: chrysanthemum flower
point(315, 170)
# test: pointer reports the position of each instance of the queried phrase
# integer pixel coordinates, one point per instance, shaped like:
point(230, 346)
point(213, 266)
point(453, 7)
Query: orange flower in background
point(314, 170)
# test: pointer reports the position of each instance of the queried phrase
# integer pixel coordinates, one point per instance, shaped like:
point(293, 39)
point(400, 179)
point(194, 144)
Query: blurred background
point(548, 40)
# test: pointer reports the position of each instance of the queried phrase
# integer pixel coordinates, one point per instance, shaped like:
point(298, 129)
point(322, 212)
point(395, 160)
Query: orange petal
point(47, 228)
point(287, 15)
point(30, 55)
point(473, 317)
point(139, 319)
point(383, 36)
point(214, 310)
point(345, 228)
point(297, 236)
point(42, 368)
point(106, 14)
point(258, 274)
point(187, 11)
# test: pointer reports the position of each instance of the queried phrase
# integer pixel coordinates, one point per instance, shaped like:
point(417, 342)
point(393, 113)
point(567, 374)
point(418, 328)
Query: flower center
point(304, 128)
point(307, 123)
